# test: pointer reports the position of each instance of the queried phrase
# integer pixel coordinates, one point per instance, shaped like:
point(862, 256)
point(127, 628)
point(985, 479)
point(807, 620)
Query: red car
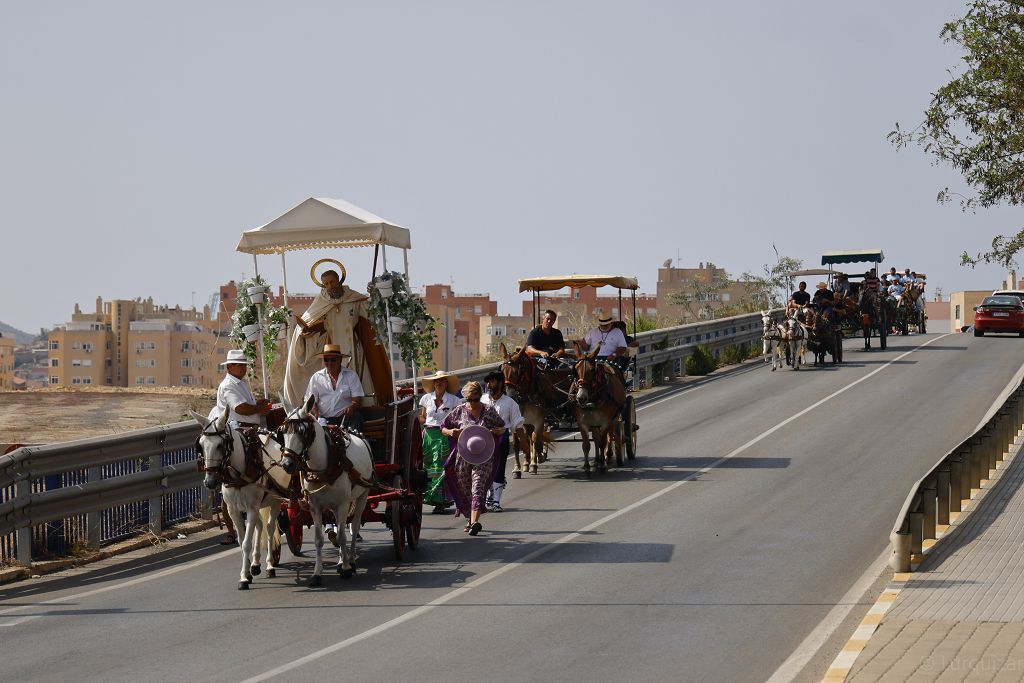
point(999, 314)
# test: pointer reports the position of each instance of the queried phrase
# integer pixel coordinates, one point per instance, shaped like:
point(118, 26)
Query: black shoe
point(439, 510)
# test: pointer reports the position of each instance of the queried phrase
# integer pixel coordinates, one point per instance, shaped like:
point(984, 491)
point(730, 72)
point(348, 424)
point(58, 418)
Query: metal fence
point(93, 491)
point(955, 479)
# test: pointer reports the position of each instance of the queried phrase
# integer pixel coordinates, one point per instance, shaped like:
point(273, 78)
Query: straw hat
point(476, 444)
point(604, 319)
point(821, 285)
point(236, 356)
point(333, 350)
point(453, 381)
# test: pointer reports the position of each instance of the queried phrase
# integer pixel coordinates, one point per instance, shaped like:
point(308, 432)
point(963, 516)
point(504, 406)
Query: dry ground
point(52, 415)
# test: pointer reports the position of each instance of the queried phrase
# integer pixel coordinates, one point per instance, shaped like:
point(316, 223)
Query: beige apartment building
point(6, 363)
point(136, 343)
point(961, 308)
point(671, 279)
point(457, 319)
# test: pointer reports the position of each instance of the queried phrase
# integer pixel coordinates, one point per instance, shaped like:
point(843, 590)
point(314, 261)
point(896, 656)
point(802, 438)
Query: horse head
point(585, 376)
point(518, 370)
point(298, 432)
point(214, 446)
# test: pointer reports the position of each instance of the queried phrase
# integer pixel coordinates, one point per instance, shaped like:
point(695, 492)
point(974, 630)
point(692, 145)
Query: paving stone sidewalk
point(960, 617)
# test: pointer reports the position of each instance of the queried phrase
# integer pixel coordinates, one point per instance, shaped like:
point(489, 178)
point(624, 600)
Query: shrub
point(700, 362)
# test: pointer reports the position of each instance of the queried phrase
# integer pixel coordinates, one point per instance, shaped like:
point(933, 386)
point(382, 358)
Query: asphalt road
point(710, 560)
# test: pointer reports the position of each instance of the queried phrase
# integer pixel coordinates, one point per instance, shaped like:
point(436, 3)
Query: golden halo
point(316, 280)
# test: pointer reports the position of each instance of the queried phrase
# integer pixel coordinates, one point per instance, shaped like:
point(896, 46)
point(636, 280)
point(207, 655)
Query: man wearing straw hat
point(338, 391)
point(235, 395)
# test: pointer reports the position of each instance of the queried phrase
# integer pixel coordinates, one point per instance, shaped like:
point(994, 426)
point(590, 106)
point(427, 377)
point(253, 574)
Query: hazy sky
point(514, 139)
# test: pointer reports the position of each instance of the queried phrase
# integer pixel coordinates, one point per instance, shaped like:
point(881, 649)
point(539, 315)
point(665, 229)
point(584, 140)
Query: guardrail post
point(979, 457)
point(155, 521)
point(900, 559)
point(916, 535)
point(24, 535)
point(942, 479)
point(93, 519)
point(990, 446)
point(956, 482)
point(928, 501)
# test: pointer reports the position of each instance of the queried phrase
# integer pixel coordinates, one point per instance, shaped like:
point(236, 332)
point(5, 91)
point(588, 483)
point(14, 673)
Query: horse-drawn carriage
point(586, 395)
point(873, 315)
point(371, 475)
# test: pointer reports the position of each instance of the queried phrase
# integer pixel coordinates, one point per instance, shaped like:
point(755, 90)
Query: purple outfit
point(468, 484)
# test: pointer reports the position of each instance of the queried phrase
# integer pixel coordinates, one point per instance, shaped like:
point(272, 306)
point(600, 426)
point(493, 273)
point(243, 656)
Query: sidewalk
point(960, 615)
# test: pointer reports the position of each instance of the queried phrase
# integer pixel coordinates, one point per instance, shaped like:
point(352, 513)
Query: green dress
point(436, 446)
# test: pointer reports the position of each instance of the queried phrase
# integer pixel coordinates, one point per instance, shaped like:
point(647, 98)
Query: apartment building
point(136, 343)
point(6, 363)
point(672, 280)
point(228, 295)
point(458, 324)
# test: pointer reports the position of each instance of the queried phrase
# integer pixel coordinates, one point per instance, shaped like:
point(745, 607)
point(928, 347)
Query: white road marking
point(486, 578)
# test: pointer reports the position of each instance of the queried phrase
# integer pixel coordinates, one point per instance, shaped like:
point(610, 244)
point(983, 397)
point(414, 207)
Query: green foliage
point(734, 354)
point(418, 339)
point(275, 318)
point(975, 122)
point(772, 287)
point(701, 361)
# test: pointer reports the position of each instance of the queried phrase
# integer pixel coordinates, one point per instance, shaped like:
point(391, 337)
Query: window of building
point(187, 362)
point(54, 379)
point(87, 363)
point(186, 345)
point(76, 380)
point(570, 331)
point(87, 380)
point(140, 380)
point(54, 345)
point(108, 346)
point(956, 314)
point(151, 346)
point(186, 379)
point(76, 345)
point(140, 363)
point(54, 363)
point(109, 363)
point(87, 347)
point(151, 380)
point(110, 380)
point(576, 294)
point(478, 310)
point(726, 296)
point(76, 362)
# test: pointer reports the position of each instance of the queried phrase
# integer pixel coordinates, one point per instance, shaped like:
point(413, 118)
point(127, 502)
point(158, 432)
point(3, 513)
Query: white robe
point(340, 319)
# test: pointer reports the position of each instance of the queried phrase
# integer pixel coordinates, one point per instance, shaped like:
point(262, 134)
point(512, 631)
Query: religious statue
point(331, 319)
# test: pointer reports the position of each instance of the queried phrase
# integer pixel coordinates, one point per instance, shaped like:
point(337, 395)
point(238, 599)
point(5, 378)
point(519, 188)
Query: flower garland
point(417, 340)
point(275, 318)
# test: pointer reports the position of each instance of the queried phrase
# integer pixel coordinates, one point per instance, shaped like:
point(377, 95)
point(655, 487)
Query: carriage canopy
point(855, 256)
point(556, 282)
point(322, 223)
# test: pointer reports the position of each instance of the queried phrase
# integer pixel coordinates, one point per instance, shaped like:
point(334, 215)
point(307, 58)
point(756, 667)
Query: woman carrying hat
point(470, 468)
point(438, 401)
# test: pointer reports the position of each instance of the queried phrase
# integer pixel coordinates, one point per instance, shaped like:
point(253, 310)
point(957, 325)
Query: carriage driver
point(800, 298)
point(235, 395)
point(546, 341)
point(609, 341)
point(338, 391)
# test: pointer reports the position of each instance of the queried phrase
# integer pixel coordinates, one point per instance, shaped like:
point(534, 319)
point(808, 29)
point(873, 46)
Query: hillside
point(19, 336)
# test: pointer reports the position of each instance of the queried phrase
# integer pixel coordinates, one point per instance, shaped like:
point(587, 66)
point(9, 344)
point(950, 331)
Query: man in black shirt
point(799, 299)
point(545, 341)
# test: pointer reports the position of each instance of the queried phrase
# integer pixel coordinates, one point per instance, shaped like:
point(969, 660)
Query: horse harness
point(337, 461)
point(252, 448)
point(600, 384)
point(534, 390)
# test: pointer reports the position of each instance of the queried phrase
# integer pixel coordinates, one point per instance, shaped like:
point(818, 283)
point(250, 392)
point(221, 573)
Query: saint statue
point(331, 319)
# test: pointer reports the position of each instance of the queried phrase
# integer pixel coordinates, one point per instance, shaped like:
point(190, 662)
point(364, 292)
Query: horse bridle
point(307, 435)
point(227, 440)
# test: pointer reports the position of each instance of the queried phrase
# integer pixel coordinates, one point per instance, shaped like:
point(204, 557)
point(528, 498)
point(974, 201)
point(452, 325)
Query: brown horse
point(599, 393)
point(539, 393)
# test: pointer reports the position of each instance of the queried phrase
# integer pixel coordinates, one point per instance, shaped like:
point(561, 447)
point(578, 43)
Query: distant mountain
point(19, 336)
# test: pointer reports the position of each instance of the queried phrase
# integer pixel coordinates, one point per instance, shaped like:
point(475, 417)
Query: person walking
point(508, 411)
point(467, 474)
point(438, 401)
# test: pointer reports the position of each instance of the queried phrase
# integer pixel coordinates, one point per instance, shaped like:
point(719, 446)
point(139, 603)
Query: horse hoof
point(346, 573)
point(243, 585)
point(315, 581)
point(533, 470)
point(271, 573)
point(255, 570)
point(517, 475)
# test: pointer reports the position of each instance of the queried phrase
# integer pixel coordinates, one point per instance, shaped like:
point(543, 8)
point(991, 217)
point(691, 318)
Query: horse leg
point(269, 521)
point(318, 542)
point(357, 519)
point(258, 529)
point(229, 498)
point(601, 450)
point(344, 567)
point(586, 450)
point(536, 446)
point(517, 472)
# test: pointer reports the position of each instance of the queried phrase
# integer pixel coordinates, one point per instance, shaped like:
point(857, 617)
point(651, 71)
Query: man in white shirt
point(338, 391)
point(609, 341)
point(235, 395)
point(508, 411)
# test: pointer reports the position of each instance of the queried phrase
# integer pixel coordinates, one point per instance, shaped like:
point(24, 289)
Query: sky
point(513, 139)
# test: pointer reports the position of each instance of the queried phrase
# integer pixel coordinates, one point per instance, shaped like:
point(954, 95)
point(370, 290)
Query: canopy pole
point(387, 323)
point(284, 275)
point(405, 260)
point(255, 266)
point(620, 302)
point(376, 251)
point(634, 311)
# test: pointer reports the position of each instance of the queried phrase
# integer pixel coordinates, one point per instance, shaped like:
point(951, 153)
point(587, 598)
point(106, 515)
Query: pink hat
point(476, 444)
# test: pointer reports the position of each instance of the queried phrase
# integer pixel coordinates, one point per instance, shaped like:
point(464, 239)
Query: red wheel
point(413, 521)
point(293, 532)
point(395, 515)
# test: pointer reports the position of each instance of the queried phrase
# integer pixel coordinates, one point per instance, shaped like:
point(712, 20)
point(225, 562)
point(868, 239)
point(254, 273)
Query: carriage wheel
point(413, 522)
point(839, 347)
point(924, 324)
point(395, 508)
point(629, 426)
point(293, 534)
point(883, 333)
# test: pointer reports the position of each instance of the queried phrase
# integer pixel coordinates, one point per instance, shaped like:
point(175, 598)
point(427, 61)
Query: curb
point(36, 569)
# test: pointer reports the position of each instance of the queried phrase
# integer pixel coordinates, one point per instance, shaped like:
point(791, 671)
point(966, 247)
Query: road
point(757, 501)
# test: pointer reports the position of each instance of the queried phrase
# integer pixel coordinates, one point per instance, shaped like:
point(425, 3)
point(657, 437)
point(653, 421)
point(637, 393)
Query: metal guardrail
point(95, 490)
point(955, 479)
point(98, 489)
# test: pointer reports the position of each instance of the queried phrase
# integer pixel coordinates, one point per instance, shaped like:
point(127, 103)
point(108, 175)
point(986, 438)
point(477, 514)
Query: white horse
point(325, 484)
point(795, 336)
point(773, 337)
point(222, 450)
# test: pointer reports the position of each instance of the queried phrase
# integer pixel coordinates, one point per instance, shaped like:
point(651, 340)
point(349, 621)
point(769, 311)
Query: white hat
point(236, 356)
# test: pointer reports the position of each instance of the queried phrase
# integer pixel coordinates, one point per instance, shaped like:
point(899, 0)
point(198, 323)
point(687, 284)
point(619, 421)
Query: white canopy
point(320, 223)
